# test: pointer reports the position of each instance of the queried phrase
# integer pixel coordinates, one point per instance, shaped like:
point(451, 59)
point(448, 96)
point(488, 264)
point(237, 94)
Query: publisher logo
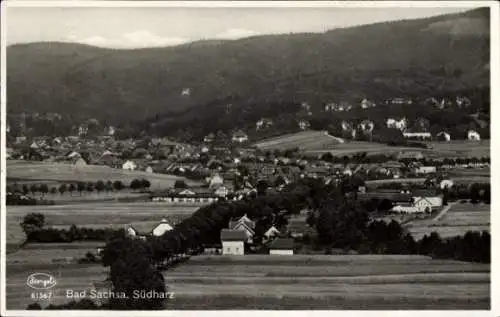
point(41, 281)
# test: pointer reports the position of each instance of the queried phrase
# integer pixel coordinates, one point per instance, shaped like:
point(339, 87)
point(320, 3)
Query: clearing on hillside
point(305, 141)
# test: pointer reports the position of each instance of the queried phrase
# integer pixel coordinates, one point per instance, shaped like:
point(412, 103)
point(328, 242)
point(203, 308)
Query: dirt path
point(443, 212)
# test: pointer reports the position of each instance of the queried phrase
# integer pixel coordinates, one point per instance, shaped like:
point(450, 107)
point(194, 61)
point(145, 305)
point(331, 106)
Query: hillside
point(263, 75)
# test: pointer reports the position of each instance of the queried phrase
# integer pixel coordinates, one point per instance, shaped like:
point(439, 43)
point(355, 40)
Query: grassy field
point(308, 140)
point(316, 142)
point(143, 216)
point(457, 221)
point(64, 173)
point(293, 282)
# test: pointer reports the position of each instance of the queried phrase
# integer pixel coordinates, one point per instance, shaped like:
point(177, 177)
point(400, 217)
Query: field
point(61, 173)
point(308, 140)
point(293, 282)
point(143, 216)
point(459, 219)
point(317, 142)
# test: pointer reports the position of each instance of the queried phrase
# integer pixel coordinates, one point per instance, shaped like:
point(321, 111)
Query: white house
point(281, 246)
point(366, 126)
point(186, 92)
point(365, 104)
point(473, 136)
point(73, 154)
point(110, 131)
point(233, 242)
point(426, 169)
point(304, 125)
point(221, 191)
point(263, 123)
point(428, 204)
point(161, 228)
point(400, 124)
point(271, 233)
point(444, 136)
point(149, 169)
point(420, 135)
point(446, 183)
point(239, 136)
point(129, 165)
point(215, 181)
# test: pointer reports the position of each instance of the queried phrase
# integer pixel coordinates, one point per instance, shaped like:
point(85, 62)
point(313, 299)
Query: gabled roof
point(282, 244)
point(240, 226)
point(233, 235)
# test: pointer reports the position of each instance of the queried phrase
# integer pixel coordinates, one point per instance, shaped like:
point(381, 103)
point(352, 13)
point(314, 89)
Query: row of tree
point(80, 187)
point(34, 228)
point(382, 158)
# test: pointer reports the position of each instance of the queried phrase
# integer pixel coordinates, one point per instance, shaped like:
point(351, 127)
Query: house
point(244, 219)
point(129, 165)
point(83, 130)
point(281, 246)
point(417, 135)
point(348, 129)
point(161, 228)
point(365, 104)
point(400, 124)
point(186, 92)
point(473, 136)
point(78, 161)
point(209, 138)
point(73, 154)
point(330, 107)
point(428, 204)
point(446, 183)
point(233, 242)
point(462, 102)
point(110, 131)
point(271, 233)
point(443, 136)
point(366, 126)
point(239, 136)
point(222, 191)
point(149, 169)
point(263, 123)
point(304, 125)
point(426, 169)
point(412, 155)
point(215, 181)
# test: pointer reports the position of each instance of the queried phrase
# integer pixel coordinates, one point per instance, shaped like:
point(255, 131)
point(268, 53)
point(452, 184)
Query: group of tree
point(141, 184)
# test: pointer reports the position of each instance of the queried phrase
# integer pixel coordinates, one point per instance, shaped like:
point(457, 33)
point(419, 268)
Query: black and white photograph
point(218, 156)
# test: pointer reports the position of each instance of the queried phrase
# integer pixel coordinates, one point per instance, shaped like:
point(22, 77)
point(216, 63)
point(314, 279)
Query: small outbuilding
point(281, 246)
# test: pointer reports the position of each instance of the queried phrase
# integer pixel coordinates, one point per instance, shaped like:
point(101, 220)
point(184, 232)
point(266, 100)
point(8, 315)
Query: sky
point(168, 26)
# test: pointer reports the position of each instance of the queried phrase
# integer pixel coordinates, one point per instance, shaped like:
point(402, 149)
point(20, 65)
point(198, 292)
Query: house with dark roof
point(282, 246)
point(233, 242)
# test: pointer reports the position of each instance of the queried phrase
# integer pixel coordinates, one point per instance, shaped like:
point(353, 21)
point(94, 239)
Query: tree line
point(80, 187)
point(34, 228)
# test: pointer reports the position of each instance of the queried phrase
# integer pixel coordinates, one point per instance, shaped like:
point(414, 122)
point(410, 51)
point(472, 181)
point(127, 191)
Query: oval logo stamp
point(41, 281)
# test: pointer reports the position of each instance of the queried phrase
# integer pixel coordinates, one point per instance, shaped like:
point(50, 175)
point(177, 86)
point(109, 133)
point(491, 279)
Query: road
point(443, 211)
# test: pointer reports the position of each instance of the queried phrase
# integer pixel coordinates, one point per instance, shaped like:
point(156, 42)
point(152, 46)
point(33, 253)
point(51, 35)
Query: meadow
point(456, 222)
point(143, 216)
point(294, 282)
point(338, 282)
point(64, 173)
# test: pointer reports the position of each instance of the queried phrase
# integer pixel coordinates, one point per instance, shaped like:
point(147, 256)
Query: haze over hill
point(421, 57)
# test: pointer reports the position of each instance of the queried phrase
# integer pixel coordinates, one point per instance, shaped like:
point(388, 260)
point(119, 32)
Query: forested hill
point(265, 75)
